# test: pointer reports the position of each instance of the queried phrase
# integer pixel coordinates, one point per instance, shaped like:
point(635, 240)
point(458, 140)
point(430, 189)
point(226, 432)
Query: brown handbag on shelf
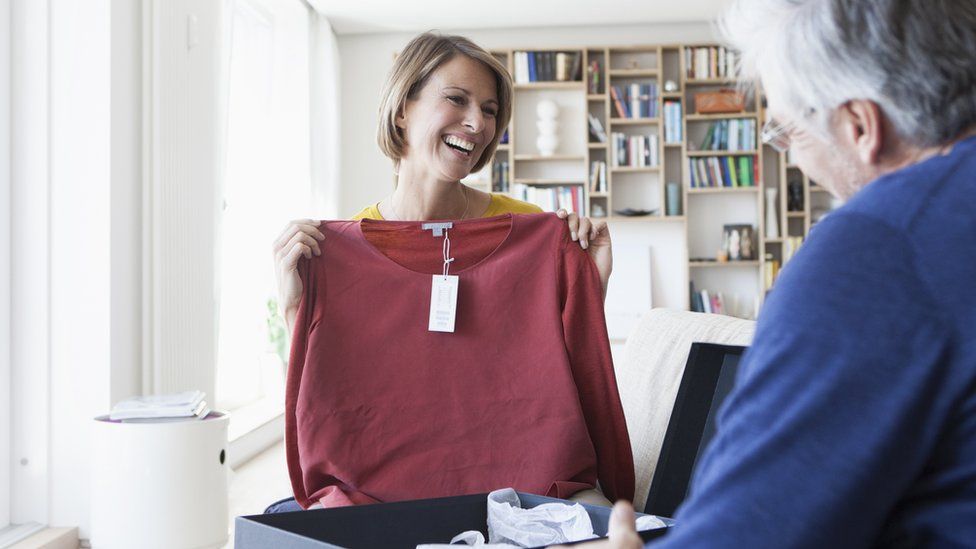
point(719, 102)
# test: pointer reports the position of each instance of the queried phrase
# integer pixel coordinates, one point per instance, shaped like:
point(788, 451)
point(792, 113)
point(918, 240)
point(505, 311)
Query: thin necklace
point(398, 217)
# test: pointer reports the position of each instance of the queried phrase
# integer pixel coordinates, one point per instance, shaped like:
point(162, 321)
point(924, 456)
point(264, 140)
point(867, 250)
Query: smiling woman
point(444, 107)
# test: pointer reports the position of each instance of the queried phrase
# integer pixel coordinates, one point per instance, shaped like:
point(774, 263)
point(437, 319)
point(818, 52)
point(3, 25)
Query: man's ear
point(862, 127)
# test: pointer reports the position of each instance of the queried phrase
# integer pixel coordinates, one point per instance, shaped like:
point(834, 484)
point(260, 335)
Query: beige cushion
point(650, 371)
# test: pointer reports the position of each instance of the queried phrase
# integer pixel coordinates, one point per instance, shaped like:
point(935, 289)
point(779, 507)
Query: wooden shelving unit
point(571, 166)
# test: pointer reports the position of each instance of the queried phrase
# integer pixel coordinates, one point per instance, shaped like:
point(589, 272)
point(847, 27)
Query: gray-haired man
point(853, 421)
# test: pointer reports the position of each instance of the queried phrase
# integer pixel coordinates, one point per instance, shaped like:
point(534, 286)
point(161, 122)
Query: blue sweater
point(853, 419)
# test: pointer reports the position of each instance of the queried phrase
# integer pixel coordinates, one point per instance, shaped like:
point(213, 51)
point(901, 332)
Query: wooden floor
point(258, 483)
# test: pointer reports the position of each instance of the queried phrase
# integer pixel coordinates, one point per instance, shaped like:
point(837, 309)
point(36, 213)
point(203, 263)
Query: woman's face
point(451, 121)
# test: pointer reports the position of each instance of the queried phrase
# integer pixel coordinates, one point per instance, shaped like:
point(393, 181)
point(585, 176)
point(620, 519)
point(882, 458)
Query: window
point(267, 181)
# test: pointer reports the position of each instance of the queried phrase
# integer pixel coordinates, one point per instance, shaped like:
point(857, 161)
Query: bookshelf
point(800, 203)
point(654, 137)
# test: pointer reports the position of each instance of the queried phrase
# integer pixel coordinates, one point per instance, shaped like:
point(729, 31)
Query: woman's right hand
point(300, 238)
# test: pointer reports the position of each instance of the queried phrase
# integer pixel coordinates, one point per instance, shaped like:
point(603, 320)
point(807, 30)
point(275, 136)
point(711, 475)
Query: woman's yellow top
point(500, 204)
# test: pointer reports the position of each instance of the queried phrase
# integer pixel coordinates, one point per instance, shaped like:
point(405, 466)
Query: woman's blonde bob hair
point(411, 70)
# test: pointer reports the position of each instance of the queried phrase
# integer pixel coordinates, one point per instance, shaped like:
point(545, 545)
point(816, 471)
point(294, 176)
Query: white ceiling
point(370, 16)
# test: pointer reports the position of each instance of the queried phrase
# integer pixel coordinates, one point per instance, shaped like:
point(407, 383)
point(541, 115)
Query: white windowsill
point(253, 429)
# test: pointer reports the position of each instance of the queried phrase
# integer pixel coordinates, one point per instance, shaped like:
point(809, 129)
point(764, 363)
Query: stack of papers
point(190, 404)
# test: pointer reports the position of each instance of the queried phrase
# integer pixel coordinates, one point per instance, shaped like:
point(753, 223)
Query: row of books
point(710, 62)
point(635, 100)
point(722, 171)
point(770, 271)
point(186, 405)
point(703, 301)
point(547, 66)
point(634, 150)
point(499, 177)
point(550, 199)
point(598, 176)
point(597, 133)
point(791, 245)
point(737, 134)
point(593, 77)
point(672, 122)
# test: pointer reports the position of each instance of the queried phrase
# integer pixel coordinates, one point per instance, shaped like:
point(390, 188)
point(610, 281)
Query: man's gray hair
point(915, 58)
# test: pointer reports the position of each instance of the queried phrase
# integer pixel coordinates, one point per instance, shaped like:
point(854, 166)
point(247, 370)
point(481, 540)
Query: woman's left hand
point(594, 237)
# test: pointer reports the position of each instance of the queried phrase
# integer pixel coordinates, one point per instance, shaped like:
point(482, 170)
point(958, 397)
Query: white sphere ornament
point(548, 141)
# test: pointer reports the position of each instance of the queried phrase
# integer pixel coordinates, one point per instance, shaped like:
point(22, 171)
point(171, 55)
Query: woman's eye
point(490, 112)
point(457, 100)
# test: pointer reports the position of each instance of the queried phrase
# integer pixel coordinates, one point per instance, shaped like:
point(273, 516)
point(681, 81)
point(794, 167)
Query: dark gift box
point(399, 525)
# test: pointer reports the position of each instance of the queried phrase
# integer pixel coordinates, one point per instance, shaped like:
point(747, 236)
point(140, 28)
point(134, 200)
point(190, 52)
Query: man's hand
point(623, 531)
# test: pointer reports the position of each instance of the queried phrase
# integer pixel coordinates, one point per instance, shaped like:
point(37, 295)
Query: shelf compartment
point(693, 154)
point(634, 169)
point(540, 158)
point(549, 86)
point(547, 182)
point(634, 121)
point(634, 73)
point(723, 264)
point(729, 116)
point(708, 81)
point(712, 190)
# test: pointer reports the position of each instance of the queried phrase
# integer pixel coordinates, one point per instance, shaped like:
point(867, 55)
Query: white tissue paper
point(511, 526)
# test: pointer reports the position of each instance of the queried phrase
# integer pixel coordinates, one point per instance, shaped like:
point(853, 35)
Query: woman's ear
point(401, 118)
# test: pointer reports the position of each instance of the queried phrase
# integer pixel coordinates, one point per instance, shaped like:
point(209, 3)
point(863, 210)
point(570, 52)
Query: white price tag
point(443, 303)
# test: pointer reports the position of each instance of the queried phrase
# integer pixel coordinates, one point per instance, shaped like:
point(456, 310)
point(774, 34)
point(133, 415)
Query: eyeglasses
point(777, 135)
point(780, 136)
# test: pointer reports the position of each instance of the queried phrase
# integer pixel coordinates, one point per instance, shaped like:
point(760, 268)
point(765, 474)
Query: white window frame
point(5, 240)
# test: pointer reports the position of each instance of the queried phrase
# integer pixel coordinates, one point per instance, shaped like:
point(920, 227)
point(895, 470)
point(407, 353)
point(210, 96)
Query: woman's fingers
point(585, 229)
point(296, 251)
point(306, 240)
point(307, 226)
point(572, 221)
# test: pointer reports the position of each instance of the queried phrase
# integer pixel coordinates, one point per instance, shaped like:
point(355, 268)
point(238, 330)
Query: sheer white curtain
point(266, 182)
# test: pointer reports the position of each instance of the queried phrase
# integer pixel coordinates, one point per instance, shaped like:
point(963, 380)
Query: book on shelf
point(791, 244)
point(722, 171)
point(704, 301)
point(634, 151)
point(596, 129)
point(593, 77)
point(548, 66)
point(499, 179)
point(635, 100)
point(770, 272)
point(737, 134)
point(551, 198)
point(709, 62)
point(598, 176)
point(672, 122)
point(189, 404)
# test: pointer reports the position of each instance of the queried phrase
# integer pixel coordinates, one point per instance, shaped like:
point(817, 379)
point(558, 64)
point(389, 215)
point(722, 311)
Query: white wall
point(80, 222)
point(4, 264)
point(29, 277)
point(126, 199)
point(75, 231)
point(654, 248)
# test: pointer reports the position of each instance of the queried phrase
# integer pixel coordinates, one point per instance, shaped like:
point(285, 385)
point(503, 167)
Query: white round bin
point(161, 484)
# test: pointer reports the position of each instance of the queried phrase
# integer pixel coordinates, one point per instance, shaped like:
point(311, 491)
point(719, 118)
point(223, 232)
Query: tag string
point(446, 248)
